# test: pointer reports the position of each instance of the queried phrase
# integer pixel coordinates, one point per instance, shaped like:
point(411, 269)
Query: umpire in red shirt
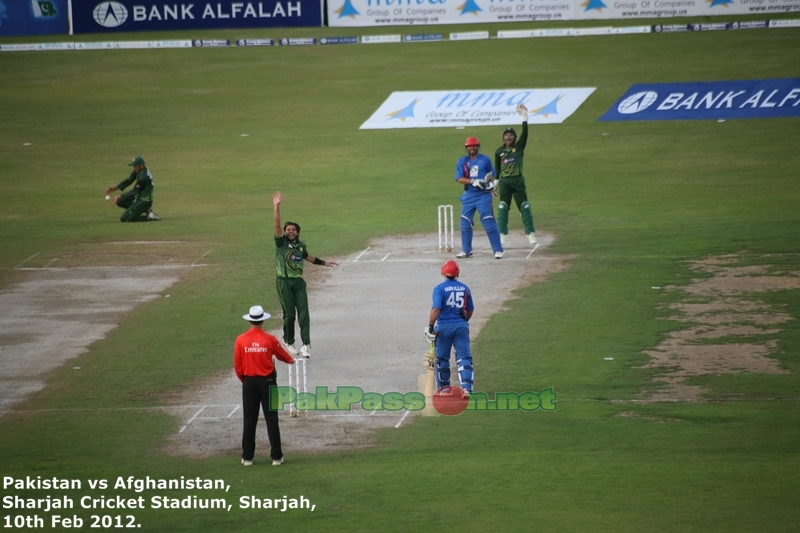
point(252, 360)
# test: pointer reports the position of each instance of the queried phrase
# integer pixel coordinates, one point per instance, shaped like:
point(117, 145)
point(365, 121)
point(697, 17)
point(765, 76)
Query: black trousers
point(255, 394)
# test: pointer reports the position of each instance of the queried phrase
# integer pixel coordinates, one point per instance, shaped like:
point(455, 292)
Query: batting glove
point(478, 184)
point(430, 335)
point(522, 111)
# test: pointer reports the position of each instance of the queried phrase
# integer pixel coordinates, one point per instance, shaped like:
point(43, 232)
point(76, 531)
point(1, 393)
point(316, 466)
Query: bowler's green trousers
point(294, 301)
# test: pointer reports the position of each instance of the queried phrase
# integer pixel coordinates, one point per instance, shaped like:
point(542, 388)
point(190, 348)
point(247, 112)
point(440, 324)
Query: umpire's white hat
point(256, 314)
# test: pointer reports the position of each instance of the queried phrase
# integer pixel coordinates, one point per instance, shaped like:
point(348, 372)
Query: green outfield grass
point(633, 202)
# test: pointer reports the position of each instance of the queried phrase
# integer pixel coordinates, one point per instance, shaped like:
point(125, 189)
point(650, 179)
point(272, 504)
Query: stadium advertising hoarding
point(421, 12)
point(33, 17)
point(447, 109)
point(626, 9)
point(94, 16)
point(708, 100)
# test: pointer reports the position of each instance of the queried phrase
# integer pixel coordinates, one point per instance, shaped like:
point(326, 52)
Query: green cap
point(136, 161)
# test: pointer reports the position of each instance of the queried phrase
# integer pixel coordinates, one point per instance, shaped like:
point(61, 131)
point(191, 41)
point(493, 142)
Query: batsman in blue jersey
point(475, 172)
point(448, 327)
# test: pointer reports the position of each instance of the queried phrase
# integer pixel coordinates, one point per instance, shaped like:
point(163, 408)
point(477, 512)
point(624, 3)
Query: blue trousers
point(450, 336)
point(482, 203)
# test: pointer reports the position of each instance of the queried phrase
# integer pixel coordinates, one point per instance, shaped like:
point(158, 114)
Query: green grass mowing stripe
point(616, 482)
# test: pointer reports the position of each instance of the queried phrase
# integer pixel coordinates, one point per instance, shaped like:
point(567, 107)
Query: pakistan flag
point(43, 8)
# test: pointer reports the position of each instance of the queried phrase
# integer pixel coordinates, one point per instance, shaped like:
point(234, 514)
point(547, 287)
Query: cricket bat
point(427, 381)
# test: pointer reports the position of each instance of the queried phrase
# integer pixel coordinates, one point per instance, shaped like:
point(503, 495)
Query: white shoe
point(245, 462)
point(462, 255)
point(503, 239)
point(305, 351)
point(277, 462)
point(498, 255)
point(291, 349)
point(531, 238)
point(152, 216)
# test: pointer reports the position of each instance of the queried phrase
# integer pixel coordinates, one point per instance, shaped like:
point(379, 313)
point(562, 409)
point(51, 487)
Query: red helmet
point(472, 141)
point(450, 269)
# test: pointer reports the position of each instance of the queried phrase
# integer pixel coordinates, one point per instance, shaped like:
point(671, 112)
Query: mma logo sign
point(460, 107)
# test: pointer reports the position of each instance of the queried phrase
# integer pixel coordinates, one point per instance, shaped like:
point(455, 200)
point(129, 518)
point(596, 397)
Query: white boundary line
point(401, 420)
point(349, 414)
point(28, 259)
point(362, 253)
point(435, 259)
point(192, 419)
point(202, 256)
point(196, 416)
point(127, 243)
point(107, 267)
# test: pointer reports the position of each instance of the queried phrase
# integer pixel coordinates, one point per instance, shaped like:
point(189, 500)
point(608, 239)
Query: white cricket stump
point(446, 228)
point(301, 381)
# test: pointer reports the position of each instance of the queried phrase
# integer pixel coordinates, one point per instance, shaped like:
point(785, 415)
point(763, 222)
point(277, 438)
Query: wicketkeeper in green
point(508, 164)
point(290, 252)
point(137, 202)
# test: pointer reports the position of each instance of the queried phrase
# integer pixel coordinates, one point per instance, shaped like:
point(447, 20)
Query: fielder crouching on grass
point(254, 366)
point(137, 202)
